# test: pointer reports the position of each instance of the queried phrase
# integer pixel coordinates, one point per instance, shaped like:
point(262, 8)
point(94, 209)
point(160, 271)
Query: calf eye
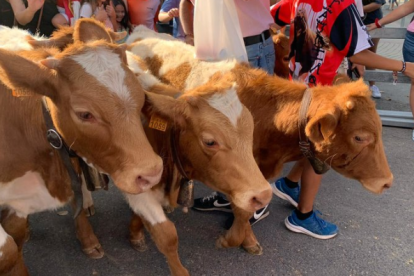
point(358, 139)
point(210, 143)
point(85, 116)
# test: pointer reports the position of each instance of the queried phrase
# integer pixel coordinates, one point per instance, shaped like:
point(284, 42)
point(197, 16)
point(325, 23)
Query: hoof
point(96, 252)
point(254, 250)
point(221, 242)
point(90, 211)
point(139, 245)
point(168, 209)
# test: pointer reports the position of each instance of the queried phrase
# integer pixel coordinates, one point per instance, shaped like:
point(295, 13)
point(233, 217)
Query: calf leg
point(88, 206)
point(162, 230)
point(11, 257)
point(84, 232)
point(165, 237)
point(136, 233)
point(240, 233)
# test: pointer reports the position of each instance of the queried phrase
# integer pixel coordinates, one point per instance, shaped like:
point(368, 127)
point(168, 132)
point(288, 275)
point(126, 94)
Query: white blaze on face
point(227, 103)
point(106, 67)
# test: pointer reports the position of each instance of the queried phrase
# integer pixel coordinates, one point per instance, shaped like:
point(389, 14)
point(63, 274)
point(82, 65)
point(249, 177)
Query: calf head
point(215, 142)
point(346, 132)
point(88, 90)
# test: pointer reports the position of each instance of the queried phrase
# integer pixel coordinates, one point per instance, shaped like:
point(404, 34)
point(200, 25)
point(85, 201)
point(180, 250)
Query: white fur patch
point(28, 194)
point(148, 205)
point(106, 67)
point(145, 78)
point(3, 239)
point(14, 39)
point(227, 103)
point(174, 53)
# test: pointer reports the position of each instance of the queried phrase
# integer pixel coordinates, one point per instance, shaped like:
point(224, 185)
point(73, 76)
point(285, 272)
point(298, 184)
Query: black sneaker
point(259, 215)
point(213, 202)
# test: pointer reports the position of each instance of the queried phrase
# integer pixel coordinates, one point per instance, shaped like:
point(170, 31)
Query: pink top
point(254, 16)
point(411, 27)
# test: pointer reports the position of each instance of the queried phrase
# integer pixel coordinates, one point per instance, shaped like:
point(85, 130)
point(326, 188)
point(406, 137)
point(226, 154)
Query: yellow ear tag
point(158, 123)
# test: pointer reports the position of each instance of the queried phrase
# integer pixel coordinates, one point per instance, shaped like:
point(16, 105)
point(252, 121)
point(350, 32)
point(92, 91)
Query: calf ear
point(87, 29)
point(117, 36)
point(322, 125)
point(25, 76)
point(60, 39)
point(173, 110)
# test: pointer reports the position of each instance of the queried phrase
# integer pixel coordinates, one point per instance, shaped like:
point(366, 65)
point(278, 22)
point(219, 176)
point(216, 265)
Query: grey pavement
point(376, 231)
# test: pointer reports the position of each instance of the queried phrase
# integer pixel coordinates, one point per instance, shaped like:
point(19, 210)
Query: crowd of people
point(339, 32)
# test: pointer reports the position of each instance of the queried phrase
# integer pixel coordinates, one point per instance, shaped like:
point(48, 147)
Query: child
point(122, 19)
point(169, 10)
point(101, 10)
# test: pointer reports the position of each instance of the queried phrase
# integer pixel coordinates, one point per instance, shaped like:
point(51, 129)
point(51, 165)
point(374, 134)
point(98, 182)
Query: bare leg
point(310, 183)
point(296, 172)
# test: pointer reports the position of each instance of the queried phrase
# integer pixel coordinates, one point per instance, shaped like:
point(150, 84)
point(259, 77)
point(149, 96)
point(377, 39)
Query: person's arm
point(370, 59)
point(110, 10)
point(372, 7)
point(167, 16)
point(186, 17)
point(22, 14)
point(396, 14)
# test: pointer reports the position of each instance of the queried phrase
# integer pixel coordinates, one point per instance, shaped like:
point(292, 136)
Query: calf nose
point(261, 199)
point(388, 182)
point(148, 179)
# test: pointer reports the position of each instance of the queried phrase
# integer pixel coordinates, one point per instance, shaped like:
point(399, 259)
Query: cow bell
point(186, 194)
point(318, 166)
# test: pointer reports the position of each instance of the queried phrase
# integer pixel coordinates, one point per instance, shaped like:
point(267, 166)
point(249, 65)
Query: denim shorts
point(408, 47)
point(262, 55)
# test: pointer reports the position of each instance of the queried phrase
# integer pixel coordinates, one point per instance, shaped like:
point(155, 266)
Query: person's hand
point(35, 5)
point(360, 68)
point(173, 12)
point(101, 14)
point(371, 27)
point(110, 10)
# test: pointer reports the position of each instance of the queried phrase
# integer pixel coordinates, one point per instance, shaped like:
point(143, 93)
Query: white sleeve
point(86, 11)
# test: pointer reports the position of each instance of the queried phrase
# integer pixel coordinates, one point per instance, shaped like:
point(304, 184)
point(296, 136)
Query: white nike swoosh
point(217, 204)
point(257, 216)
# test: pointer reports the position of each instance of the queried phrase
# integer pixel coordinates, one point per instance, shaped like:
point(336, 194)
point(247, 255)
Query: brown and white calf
point(95, 103)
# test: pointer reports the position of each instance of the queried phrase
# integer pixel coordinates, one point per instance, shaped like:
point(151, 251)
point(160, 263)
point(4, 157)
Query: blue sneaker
point(281, 190)
point(313, 226)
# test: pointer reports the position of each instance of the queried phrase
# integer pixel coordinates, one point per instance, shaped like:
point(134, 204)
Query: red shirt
point(322, 33)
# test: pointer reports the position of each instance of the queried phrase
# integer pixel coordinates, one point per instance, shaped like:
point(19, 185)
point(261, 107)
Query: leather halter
point(186, 193)
point(174, 150)
point(318, 166)
point(55, 140)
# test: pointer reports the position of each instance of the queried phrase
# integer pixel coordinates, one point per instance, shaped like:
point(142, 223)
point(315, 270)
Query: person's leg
point(304, 220)
point(287, 188)
point(268, 57)
point(408, 55)
point(374, 89)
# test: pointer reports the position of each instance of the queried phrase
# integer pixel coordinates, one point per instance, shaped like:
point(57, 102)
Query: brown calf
point(95, 103)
